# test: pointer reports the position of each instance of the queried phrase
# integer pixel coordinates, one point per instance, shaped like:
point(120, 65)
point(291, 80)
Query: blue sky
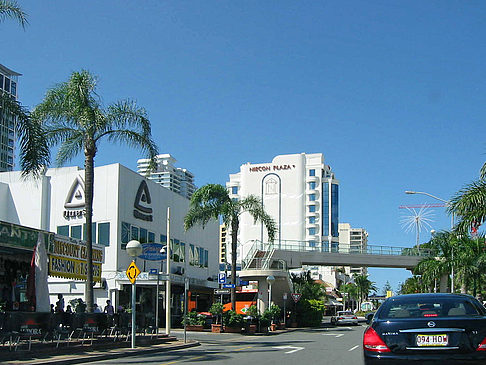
point(392, 93)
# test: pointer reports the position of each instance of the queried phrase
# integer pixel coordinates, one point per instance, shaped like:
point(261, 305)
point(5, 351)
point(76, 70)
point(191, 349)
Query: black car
point(427, 329)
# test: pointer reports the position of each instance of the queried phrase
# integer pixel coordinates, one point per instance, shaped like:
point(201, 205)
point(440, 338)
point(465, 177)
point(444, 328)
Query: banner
point(71, 268)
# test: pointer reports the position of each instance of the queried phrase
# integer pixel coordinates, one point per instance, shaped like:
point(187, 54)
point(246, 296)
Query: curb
point(105, 355)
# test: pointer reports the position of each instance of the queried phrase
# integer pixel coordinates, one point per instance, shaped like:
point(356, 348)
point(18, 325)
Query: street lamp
point(270, 281)
point(448, 203)
point(134, 249)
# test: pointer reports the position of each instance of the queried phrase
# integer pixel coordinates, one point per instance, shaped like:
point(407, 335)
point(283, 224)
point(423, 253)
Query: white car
point(344, 317)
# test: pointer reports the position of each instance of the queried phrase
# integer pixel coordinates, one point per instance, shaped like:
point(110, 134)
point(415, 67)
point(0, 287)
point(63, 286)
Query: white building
point(176, 179)
point(353, 240)
point(126, 206)
point(300, 192)
point(8, 85)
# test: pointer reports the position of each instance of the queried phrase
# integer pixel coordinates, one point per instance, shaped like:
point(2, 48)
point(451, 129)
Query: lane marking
point(176, 361)
point(353, 348)
point(243, 348)
point(340, 335)
point(294, 348)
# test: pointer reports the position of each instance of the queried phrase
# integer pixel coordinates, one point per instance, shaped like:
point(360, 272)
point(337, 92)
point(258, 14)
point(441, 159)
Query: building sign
point(19, 236)
point(267, 168)
point(151, 252)
point(142, 201)
point(67, 258)
point(75, 200)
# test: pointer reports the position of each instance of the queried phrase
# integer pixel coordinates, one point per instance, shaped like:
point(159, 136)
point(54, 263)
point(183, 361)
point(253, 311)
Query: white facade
point(8, 85)
point(166, 174)
point(353, 240)
point(126, 206)
point(301, 194)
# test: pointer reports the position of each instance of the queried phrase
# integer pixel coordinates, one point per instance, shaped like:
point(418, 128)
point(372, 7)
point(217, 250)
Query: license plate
point(432, 340)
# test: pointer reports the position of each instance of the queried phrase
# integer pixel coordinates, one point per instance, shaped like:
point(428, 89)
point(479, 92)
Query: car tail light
point(482, 346)
point(373, 342)
point(340, 318)
point(355, 317)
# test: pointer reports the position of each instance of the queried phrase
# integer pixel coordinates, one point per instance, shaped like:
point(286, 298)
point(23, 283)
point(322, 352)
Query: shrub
point(233, 319)
point(216, 310)
point(193, 319)
point(275, 313)
point(310, 312)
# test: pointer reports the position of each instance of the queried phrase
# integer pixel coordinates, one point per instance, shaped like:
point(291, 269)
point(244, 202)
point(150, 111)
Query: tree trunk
point(89, 183)
point(234, 246)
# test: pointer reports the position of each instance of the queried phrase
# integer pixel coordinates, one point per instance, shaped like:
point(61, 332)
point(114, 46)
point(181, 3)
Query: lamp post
point(448, 203)
point(134, 249)
point(270, 281)
point(167, 283)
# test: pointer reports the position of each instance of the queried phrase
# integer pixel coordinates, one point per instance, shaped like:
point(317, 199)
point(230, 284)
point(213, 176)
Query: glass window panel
point(234, 190)
point(143, 235)
point(76, 232)
point(7, 85)
point(125, 232)
point(135, 233)
point(312, 208)
point(206, 258)
point(163, 239)
point(63, 230)
point(312, 197)
point(201, 257)
point(93, 232)
point(104, 233)
point(183, 252)
point(312, 172)
point(13, 88)
point(151, 237)
point(175, 250)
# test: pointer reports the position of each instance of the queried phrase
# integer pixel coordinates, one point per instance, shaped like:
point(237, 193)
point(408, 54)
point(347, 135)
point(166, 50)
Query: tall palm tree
point(212, 201)
point(73, 117)
point(469, 205)
point(364, 286)
point(11, 9)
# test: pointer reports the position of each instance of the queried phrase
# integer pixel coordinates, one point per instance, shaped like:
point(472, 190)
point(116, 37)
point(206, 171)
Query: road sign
point(222, 278)
point(284, 296)
point(244, 282)
point(229, 286)
point(132, 272)
point(296, 296)
point(221, 291)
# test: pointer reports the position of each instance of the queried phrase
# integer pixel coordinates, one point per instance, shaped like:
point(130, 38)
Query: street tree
point(364, 286)
point(212, 202)
point(73, 118)
point(10, 9)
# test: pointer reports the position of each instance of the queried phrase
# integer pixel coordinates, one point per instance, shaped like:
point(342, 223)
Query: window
point(143, 235)
point(176, 248)
point(312, 220)
point(76, 232)
point(163, 239)
point(104, 233)
point(312, 185)
point(135, 233)
point(13, 88)
point(151, 237)
point(63, 230)
point(234, 190)
point(206, 258)
point(93, 232)
point(312, 243)
point(312, 231)
point(125, 232)
point(334, 210)
point(7, 85)
point(325, 209)
point(201, 257)
point(312, 197)
point(191, 254)
point(182, 253)
point(312, 208)
point(1, 81)
point(312, 172)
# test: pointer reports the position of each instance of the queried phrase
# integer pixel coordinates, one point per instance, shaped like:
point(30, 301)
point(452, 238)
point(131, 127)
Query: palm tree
point(11, 9)
point(364, 286)
point(73, 117)
point(469, 205)
point(212, 201)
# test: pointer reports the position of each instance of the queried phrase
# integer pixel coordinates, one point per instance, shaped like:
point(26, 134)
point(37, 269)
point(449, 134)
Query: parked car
point(344, 317)
point(427, 328)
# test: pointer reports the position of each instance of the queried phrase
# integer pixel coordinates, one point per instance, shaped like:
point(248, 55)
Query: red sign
point(296, 297)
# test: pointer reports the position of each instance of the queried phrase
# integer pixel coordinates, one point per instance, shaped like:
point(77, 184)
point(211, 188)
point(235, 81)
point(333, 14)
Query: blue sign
point(226, 286)
point(222, 278)
point(244, 282)
point(224, 267)
point(153, 271)
point(151, 252)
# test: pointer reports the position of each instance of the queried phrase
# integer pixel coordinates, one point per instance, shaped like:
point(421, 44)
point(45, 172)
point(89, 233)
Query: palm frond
point(10, 9)
point(199, 215)
point(469, 204)
point(254, 206)
point(211, 195)
point(70, 148)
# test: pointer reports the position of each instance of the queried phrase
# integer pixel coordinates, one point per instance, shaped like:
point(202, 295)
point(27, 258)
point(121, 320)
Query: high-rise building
point(176, 179)
point(300, 192)
point(8, 85)
point(353, 240)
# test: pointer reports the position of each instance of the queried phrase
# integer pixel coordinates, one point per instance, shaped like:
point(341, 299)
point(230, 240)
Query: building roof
point(8, 72)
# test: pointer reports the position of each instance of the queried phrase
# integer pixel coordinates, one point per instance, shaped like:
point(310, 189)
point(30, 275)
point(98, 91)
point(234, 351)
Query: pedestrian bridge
point(293, 254)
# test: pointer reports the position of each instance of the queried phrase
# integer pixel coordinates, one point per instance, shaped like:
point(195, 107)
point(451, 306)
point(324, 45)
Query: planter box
point(293, 324)
point(252, 329)
point(280, 326)
point(273, 327)
point(216, 328)
point(232, 329)
point(197, 328)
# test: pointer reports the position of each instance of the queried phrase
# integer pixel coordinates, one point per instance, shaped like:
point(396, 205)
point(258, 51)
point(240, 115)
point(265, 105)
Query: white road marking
point(337, 335)
point(294, 349)
point(353, 348)
point(340, 335)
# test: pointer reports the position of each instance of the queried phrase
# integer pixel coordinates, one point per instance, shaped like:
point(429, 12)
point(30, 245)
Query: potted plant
point(265, 320)
point(274, 313)
point(233, 322)
point(254, 317)
point(217, 311)
point(193, 322)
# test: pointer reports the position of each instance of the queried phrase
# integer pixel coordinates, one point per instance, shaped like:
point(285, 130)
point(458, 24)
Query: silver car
point(344, 317)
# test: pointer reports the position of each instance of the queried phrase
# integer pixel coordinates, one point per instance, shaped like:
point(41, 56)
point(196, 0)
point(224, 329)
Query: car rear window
point(430, 307)
point(345, 313)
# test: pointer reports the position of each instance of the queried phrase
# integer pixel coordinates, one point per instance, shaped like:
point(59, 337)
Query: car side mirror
point(369, 317)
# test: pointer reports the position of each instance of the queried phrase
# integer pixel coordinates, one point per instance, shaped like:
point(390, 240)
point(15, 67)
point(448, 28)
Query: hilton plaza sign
point(266, 168)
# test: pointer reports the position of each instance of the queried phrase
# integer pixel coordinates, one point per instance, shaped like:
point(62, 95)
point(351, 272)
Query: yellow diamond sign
point(132, 272)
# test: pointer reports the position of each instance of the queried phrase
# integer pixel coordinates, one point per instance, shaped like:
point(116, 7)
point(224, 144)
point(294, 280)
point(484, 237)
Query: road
point(326, 345)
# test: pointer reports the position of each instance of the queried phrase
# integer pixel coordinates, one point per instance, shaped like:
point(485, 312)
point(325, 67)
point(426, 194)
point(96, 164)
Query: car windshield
point(430, 307)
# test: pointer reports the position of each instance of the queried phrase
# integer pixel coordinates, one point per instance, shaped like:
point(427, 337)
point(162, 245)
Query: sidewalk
point(84, 354)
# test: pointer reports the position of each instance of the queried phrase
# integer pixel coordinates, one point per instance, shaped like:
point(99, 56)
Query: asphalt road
point(326, 345)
